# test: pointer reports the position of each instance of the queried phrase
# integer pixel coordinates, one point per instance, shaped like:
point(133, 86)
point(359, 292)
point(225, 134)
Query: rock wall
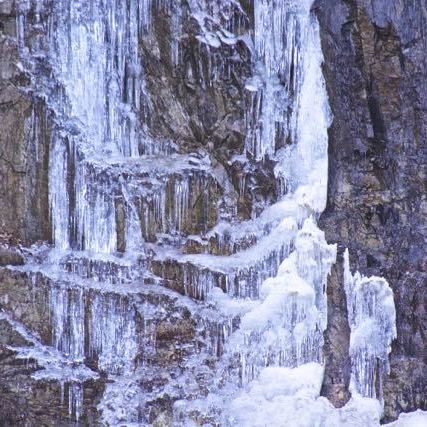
point(375, 69)
point(24, 139)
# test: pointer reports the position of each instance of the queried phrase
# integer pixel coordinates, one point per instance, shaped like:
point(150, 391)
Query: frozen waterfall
point(147, 238)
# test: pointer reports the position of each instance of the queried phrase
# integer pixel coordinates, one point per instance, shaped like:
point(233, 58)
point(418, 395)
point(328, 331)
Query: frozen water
point(123, 202)
point(286, 328)
point(372, 319)
point(282, 55)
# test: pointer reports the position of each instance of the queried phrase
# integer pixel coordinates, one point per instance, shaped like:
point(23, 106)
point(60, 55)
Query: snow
point(411, 419)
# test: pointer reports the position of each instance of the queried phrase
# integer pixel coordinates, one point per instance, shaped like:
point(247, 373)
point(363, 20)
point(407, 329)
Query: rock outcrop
point(375, 70)
point(24, 143)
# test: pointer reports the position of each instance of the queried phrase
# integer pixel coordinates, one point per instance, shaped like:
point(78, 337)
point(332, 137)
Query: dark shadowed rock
point(24, 141)
point(10, 256)
point(375, 69)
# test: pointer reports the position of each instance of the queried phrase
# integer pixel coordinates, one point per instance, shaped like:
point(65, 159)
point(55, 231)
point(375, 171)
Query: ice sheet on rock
point(280, 34)
point(294, 208)
point(113, 337)
point(155, 193)
point(106, 269)
point(100, 96)
point(305, 161)
point(113, 185)
point(110, 330)
point(372, 320)
point(67, 322)
point(54, 273)
point(90, 322)
point(95, 48)
point(240, 274)
point(58, 191)
point(121, 401)
point(54, 366)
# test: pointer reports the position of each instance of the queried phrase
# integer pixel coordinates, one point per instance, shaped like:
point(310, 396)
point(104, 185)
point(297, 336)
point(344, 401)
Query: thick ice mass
point(372, 319)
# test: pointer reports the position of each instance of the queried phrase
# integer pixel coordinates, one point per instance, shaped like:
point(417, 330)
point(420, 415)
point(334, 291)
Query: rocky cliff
point(197, 94)
point(375, 70)
point(24, 142)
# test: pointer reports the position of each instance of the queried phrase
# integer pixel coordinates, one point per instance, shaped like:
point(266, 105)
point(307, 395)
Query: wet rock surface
point(375, 71)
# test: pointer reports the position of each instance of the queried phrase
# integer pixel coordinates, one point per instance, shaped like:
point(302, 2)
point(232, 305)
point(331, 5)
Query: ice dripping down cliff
point(186, 309)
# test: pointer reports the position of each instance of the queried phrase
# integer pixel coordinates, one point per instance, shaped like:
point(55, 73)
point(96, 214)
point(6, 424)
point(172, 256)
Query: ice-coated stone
point(223, 215)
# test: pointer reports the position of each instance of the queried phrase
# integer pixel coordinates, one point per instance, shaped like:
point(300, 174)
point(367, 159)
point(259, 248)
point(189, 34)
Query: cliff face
point(375, 69)
point(24, 143)
point(194, 98)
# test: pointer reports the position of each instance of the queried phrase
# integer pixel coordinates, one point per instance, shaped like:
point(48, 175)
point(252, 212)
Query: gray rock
point(375, 69)
point(10, 256)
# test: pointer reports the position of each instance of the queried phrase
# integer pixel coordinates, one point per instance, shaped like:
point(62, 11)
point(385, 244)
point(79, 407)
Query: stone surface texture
point(375, 68)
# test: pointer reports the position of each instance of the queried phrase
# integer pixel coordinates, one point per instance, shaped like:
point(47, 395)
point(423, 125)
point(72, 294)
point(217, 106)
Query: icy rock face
point(94, 53)
point(188, 150)
point(95, 49)
point(372, 319)
point(124, 198)
point(279, 36)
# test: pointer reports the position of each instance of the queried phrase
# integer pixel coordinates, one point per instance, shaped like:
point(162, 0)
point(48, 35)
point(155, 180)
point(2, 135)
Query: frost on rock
point(372, 320)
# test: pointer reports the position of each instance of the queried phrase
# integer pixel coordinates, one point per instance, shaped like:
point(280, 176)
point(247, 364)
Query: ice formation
point(122, 204)
point(372, 320)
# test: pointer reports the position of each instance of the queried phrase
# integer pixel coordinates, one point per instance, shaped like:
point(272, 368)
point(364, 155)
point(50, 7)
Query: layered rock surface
point(24, 142)
point(152, 182)
point(375, 72)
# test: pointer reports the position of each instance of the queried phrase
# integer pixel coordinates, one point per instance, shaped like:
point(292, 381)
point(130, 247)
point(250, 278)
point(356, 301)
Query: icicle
point(75, 400)
point(112, 333)
point(280, 32)
point(286, 328)
point(372, 319)
point(67, 307)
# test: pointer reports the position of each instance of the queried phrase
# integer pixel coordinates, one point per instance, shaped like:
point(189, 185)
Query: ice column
point(100, 326)
point(372, 319)
point(286, 328)
point(95, 44)
point(281, 29)
point(95, 54)
point(58, 191)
